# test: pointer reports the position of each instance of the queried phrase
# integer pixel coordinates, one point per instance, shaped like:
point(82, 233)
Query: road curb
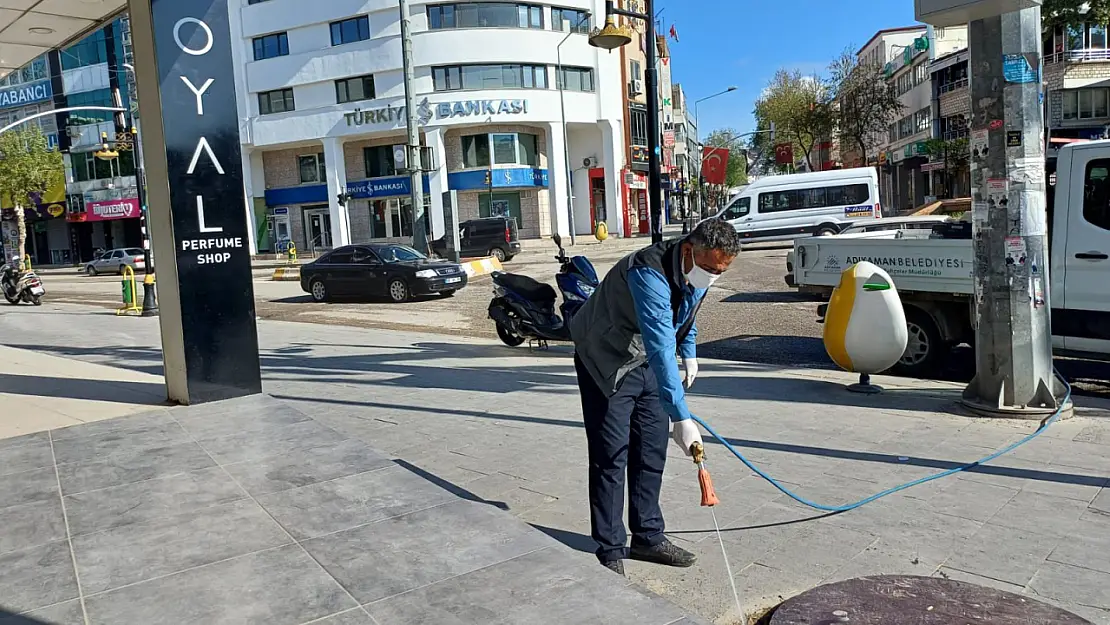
point(287, 274)
point(481, 266)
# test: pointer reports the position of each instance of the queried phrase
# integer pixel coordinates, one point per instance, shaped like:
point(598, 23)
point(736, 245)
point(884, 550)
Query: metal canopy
point(29, 28)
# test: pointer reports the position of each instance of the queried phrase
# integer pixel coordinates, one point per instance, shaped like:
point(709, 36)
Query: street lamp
point(610, 38)
point(560, 81)
point(697, 129)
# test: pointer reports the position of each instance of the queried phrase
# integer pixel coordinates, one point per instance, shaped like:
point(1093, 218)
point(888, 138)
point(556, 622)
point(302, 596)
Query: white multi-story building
point(322, 104)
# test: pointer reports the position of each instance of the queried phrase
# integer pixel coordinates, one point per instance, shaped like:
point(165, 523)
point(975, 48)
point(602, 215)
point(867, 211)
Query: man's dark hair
point(715, 234)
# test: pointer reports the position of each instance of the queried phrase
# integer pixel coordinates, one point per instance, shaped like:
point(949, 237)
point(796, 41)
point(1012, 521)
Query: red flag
point(784, 154)
point(674, 33)
point(714, 164)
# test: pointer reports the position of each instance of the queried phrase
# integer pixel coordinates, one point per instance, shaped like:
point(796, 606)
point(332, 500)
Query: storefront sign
point(395, 115)
point(932, 167)
point(393, 186)
point(24, 94)
point(502, 178)
point(215, 354)
point(112, 209)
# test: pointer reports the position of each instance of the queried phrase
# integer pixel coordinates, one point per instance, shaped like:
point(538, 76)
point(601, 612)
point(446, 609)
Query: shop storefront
point(102, 224)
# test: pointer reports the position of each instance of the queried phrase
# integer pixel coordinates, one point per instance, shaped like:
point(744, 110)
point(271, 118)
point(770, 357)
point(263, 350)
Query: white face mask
point(698, 277)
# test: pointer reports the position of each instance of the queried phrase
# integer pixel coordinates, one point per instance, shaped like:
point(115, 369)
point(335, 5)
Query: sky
point(742, 43)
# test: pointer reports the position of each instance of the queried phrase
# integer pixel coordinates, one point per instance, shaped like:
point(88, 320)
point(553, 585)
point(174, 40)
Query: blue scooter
point(524, 308)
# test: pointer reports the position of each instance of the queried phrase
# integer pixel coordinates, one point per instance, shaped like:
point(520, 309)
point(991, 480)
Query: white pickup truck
point(934, 275)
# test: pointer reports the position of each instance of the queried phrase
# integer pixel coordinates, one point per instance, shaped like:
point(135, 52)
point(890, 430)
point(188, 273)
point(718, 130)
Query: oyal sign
point(112, 209)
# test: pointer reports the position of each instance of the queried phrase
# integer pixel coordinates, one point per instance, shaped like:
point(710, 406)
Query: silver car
point(113, 261)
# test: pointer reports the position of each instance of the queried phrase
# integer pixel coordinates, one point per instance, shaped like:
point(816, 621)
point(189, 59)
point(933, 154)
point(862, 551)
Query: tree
point(1064, 12)
point(800, 108)
point(27, 169)
point(954, 153)
point(866, 102)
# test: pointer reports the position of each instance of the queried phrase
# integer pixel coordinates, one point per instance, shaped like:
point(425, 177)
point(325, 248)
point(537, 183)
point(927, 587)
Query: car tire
point(827, 230)
point(926, 350)
point(499, 254)
point(448, 293)
point(398, 291)
point(91, 271)
point(318, 290)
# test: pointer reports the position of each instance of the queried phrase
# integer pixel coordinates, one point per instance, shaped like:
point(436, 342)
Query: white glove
point(691, 365)
point(685, 434)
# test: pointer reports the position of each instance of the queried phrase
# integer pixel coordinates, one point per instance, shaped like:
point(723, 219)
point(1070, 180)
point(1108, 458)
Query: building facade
point(1077, 83)
point(322, 99)
point(948, 176)
point(103, 210)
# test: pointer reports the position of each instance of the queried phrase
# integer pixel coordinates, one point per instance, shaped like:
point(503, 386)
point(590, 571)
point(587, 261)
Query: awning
point(34, 27)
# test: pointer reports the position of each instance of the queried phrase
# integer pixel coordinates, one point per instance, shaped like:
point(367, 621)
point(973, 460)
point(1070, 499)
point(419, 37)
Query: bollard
point(27, 262)
point(602, 231)
point(129, 292)
point(150, 298)
point(291, 253)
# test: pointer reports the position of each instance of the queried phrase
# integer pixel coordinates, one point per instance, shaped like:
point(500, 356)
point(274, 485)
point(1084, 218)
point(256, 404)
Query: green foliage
point(737, 174)
point(27, 166)
point(801, 108)
point(1063, 12)
point(867, 103)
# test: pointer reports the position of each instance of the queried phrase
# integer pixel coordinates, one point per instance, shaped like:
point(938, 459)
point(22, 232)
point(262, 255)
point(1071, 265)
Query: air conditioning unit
point(636, 87)
point(589, 162)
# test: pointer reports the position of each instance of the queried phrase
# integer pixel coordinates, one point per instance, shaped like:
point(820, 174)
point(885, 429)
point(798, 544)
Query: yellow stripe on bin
point(837, 318)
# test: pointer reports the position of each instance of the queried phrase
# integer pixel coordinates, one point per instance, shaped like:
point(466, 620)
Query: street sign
point(943, 13)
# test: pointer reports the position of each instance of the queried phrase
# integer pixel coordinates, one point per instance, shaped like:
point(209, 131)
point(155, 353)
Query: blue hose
point(852, 506)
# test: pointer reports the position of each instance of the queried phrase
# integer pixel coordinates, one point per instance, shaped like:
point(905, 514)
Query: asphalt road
point(750, 314)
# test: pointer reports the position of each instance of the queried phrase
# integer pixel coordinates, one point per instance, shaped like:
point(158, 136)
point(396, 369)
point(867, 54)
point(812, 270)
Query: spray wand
point(708, 500)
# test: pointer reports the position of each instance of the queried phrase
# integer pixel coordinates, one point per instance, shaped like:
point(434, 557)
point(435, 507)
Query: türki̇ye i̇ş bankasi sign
point(426, 111)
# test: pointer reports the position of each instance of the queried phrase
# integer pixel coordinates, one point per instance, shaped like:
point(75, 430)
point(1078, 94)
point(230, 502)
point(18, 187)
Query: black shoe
point(666, 553)
point(616, 566)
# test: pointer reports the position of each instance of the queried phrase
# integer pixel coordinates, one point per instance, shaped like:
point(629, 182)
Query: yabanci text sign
point(27, 93)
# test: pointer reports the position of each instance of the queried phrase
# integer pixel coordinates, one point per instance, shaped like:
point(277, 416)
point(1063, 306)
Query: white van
point(782, 208)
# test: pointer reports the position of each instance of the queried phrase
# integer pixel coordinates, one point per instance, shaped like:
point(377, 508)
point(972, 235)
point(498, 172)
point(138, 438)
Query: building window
point(923, 120)
point(920, 73)
point(379, 161)
point(570, 20)
point(1085, 104)
point(98, 97)
point(279, 101)
point(638, 122)
point(952, 78)
point(506, 148)
point(953, 127)
point(350, 30)
point(354, 89)
point(256, 1)
point(35, 70)
point(485, 15)
point(456, 77)
point(500, 205)
point(312, 168)
point(575, 79)
point(91, 50)
point(88, 167)
point(270, 46)
point(635, 71)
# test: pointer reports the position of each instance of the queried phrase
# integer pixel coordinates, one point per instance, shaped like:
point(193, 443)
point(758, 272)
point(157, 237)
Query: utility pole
point(419, 231)
point(1013, 341)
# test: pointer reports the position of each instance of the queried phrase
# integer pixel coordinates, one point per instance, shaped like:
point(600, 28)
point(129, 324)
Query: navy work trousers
point(628, 431)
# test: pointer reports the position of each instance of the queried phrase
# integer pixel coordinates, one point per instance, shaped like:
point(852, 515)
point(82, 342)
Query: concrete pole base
point(1031, 413)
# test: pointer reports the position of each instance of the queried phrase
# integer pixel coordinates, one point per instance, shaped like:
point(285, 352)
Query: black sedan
point(397, 272)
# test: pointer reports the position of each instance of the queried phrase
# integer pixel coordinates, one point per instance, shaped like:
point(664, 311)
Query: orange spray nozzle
point(708, 495)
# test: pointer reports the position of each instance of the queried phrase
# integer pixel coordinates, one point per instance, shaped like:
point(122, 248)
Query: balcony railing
point(1077, 56)
point(952, 86)
point(952, 135)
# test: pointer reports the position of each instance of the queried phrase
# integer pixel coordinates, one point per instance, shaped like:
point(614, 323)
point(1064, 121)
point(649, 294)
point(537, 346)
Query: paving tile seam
point(284, 530)
point(69, 533)
point(359, 609)
point(453, 577)
point(142, 481)
point(1075, 566)
point(1024, 587)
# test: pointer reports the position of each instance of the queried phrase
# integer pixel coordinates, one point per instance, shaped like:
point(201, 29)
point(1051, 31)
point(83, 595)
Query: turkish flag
point(714, 164)
point(784, 154)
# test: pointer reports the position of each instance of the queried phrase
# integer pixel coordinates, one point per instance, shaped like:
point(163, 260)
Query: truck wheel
point(926, 350)
point(827, 230)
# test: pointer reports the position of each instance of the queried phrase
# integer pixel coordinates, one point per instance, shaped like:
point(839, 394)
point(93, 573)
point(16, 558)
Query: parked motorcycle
point(20, 286)
point(524, 309)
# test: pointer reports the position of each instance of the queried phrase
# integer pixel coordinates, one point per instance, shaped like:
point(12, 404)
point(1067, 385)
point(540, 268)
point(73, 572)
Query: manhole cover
point(908, 600)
